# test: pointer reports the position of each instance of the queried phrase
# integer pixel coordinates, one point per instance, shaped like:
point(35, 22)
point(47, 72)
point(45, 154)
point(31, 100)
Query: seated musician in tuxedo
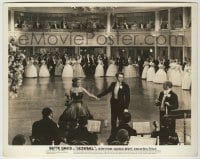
point(19, 140)
point(45, 131)
point(124, 124)
point(122, 138)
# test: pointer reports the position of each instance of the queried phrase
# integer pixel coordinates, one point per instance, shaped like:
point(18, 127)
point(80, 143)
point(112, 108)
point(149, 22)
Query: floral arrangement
point(15, 73)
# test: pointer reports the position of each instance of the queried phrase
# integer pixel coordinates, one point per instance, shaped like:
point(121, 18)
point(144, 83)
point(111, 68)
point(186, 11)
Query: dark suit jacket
point(140, 62)
point(46, 131)
point(156, 65)
point(123, 94)
point(64, 60)
point(51, 63)
point(88, 62)
point(83, 61)
point(173, 100)
point(105, 62)
point(166, 64)
point(131, 132)
point(121, 61)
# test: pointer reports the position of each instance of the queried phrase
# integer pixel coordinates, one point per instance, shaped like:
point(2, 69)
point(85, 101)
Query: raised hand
point(157, 102)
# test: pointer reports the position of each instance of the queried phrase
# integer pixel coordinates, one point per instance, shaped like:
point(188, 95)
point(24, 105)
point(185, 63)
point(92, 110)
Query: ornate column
point(108, 30)
point(169, 27)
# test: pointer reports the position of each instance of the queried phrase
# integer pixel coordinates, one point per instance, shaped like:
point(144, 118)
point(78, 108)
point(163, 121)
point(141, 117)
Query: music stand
point(95, 126)
point(142, 128)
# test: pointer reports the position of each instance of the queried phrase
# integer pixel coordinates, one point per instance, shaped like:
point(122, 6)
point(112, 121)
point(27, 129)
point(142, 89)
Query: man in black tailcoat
point(52, 65)
point(120, 62)
point(64, 58)
point(120, 99)
point(94, 63)
point(156, 61)
point(140, 63)
point(105, 63)
point(88, 65)
point(166, 64)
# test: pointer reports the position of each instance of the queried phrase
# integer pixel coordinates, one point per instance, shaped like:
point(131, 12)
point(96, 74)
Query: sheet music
point(94, 125)
point(142, 127)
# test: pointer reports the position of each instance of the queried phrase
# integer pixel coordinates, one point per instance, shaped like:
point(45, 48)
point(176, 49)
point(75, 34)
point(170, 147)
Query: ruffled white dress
point(78, 70)
point(172, 67)
point(68, 70)
point(130, 70)
point(30, 70)
point(144, 72)
point(186, 80)
point(99, 71)
point(176, 75)
point(151, 72)
point(44, 72)
point(160, 76)
point(112, 69)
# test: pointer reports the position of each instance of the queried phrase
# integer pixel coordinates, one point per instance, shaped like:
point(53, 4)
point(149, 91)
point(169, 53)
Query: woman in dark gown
point(75, 106)
point(76, 93)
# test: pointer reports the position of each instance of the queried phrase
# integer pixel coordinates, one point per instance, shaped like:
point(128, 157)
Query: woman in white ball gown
point(78, 70)
point(99, 72)
point(186, 81)
point(151, 72)
point(44, 72)
point(172, 67)
point(130, 70)
point(160, 76)
point(112, 68)
point(146, 67)
point(59, 68)
point(176, 75)
point(68, 70)
point(30, 70)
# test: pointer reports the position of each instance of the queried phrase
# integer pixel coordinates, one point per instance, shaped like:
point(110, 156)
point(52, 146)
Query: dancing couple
point(119, 101)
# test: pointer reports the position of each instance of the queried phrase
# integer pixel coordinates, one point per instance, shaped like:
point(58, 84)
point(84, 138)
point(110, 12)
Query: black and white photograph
point(102, 76)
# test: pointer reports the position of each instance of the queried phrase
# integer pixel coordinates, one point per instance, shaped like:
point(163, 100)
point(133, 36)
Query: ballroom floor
point(35, 94)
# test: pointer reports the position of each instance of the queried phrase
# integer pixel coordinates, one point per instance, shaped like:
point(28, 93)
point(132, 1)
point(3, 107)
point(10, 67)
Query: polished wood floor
point(37, 93)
